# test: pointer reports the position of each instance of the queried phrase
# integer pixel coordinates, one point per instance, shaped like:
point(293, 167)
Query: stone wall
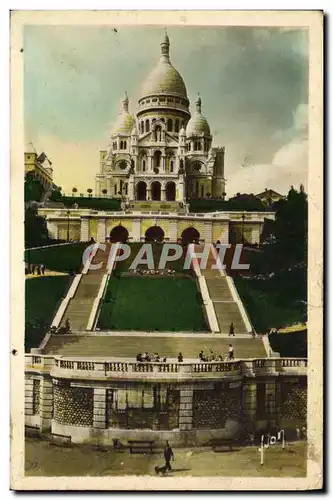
point(212, 409)
point(73, 405)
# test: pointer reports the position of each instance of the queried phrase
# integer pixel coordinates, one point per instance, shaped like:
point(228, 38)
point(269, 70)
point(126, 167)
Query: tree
point(74, 191)
point(89, 191)
point(56, 194)
point(104, 191)
point(35, 229)
point(33, 189)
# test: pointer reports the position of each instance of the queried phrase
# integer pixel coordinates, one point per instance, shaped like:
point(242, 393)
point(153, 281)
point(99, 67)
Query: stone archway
point(155, 190)
point(119, 233)
point(170, 191)
point(141, 191)
point(190, 235)
point(154, 233)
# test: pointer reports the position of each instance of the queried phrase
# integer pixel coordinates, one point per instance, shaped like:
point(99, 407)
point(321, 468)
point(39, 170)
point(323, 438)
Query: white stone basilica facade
point(164, 153)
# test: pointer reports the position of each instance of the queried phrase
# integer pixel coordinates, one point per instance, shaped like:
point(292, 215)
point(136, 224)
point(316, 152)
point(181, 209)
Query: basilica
point(164, 153)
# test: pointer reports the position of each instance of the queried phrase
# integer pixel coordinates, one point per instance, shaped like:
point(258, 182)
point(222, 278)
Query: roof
point(269, 192)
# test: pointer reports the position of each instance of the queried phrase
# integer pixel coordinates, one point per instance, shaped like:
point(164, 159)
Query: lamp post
point(68, 214)
point(243, 218)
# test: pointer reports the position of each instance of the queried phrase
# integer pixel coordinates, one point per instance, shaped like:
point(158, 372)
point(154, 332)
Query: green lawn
point(42, 299)
point(269, 303)
point(177, 265)
point(152, 303)
point(62, 258)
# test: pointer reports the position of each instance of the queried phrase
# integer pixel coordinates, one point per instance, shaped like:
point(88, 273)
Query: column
point(181, 194)
point(109, 186)
point(131, 188)
point(99, 421)
point(150, 163)
point(255, 232)
point(162, 194)
point(46, 403)
point(208, 232)
point(186, 409)
point(29, 396)
point(84, 234)
point(250, 401)
point(172, 231)
point(148, 193)
point(98, 187)
point(101, 230)
point(224, 237)
point(136, 229)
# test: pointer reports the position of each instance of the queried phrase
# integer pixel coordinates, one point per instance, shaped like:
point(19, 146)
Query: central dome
point(164, 78)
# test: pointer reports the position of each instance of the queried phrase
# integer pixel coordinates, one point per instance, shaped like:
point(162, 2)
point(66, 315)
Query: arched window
point(125, 145)
point(153, 120)
point(177, 126)
point(171, 166)
point(121, 144)
point(147, 126)
point(121, 187)
point(115, 188)
point(143, 165)
point(126, 188)
point(158, 133)
point(157, 159)
point(169, 126)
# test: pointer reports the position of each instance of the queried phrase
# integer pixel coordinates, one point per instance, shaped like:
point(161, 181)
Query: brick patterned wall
point(36, 397)
point(211, 409)
point(293, 399)
point(73, 406)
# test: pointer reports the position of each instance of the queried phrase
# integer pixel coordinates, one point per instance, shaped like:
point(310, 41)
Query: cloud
point(289, 164)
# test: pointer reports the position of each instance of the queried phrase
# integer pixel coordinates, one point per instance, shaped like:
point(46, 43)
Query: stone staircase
point(79, 308)
point(226, 309)
point(128, 346)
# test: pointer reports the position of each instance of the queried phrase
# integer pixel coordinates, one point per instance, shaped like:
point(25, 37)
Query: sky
point(253, 83)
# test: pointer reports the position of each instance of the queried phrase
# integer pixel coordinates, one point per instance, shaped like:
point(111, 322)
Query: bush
point(111, 204)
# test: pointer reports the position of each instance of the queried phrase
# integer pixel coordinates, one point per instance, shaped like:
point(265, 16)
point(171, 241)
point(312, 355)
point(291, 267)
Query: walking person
point(38, 270)
point(42, 268)
point(168, 455)
point(231, 330)
point(231, 352)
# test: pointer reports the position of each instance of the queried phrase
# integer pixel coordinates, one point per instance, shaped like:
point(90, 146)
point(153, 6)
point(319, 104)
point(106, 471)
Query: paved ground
point(44, 459)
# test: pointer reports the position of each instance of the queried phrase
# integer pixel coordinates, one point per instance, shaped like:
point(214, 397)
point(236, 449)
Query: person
point(201, 356)
point(42, 268)
point(180, 358)
point(231, 330)
point(67, 325)
point(33, 269)
point(139, 357)
point(38, 270)
point(231, 352)
point(168, 454)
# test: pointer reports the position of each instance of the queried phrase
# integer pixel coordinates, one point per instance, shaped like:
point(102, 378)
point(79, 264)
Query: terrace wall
point(98, 401)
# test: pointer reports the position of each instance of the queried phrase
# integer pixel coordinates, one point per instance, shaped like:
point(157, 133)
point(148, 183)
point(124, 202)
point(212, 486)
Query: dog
point(160, 470)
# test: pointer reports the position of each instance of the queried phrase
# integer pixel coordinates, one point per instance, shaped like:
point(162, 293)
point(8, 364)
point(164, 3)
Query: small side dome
point(125, 121)
point(198, 125)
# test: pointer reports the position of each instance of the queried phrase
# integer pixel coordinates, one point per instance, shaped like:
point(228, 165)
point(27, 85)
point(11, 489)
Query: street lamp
point(68, 214)
point(243, 218)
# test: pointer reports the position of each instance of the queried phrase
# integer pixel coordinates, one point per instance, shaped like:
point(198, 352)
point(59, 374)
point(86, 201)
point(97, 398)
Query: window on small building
point(171, 166)
point(169, 125)
point(199, 146)
point(147, 126)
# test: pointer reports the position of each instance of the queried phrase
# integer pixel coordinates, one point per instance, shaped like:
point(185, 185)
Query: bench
point(60, 439)
point(222, 443)
point(140, 446)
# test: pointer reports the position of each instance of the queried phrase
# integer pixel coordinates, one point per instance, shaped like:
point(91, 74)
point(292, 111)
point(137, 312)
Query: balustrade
point(262, 366)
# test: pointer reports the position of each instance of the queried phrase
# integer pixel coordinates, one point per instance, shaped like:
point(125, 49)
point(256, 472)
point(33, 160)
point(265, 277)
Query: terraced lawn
point(63, 258)
point(169, 303)
point(42, 299)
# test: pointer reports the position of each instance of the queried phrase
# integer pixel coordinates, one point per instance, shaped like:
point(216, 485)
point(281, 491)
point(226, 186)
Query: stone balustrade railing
point(85, 368)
